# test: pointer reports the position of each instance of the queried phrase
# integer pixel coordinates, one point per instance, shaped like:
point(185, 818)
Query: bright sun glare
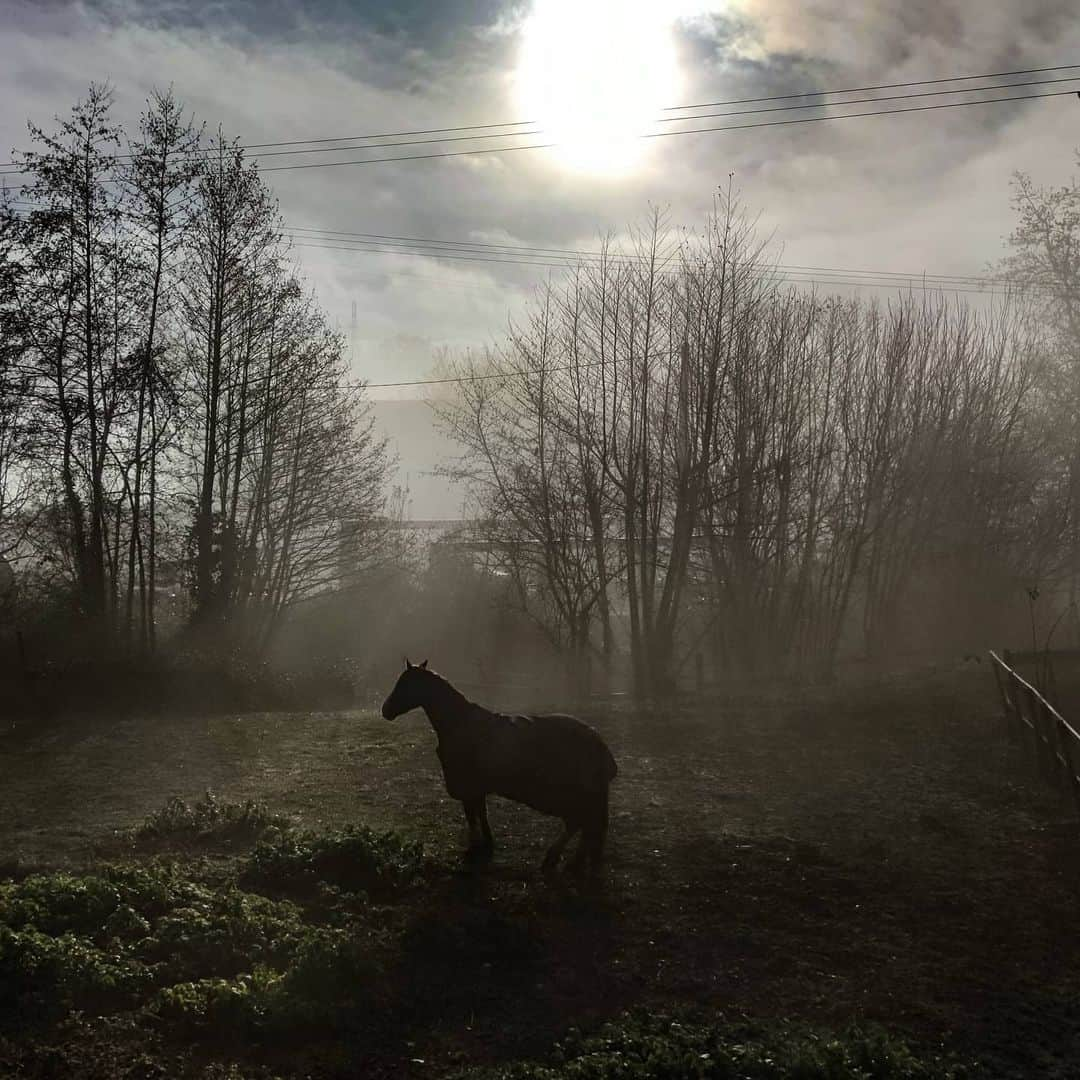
point(596, 75)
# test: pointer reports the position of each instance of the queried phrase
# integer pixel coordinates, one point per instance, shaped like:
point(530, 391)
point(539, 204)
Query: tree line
point(176, 426)
point(675, 454)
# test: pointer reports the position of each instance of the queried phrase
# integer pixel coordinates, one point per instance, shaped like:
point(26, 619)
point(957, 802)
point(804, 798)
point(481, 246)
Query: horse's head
point(412, 689)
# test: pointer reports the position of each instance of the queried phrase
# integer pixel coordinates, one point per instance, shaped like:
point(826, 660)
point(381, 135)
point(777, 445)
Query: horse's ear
point(422, 665)
point(408, 665)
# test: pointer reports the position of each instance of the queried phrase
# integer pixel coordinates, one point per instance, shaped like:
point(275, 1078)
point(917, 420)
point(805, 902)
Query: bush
point(92, 939)
point(227, 1005)
point(225, 934)
point(197, 956)
point(648, 1048)
point(354, 859)
point(42, 977)
point(326, 986)
point(114, 902)
point(58, 903)
point(211, 820)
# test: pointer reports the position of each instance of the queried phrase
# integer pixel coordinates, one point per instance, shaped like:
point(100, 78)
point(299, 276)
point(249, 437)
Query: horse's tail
point(610, 766)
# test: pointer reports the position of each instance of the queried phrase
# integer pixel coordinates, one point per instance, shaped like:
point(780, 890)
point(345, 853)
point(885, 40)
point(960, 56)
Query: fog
point(642, 643)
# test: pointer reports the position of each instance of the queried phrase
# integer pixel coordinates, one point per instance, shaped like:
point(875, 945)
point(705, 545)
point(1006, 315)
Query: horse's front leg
point(480, 840)
point(486, 839)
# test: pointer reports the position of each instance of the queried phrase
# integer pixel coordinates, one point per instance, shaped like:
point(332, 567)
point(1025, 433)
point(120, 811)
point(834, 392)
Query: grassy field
point(780, 869)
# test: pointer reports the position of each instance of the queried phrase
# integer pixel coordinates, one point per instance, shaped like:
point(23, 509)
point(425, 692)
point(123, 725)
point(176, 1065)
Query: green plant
point(325, 985)
point(354, 859)
point(114, 901)
point(643, 1047)
point(210, 819)
point(42, 977)
point(225, 934)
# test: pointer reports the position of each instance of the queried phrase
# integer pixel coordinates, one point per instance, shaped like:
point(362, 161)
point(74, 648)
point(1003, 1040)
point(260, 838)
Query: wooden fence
point(1033, 720)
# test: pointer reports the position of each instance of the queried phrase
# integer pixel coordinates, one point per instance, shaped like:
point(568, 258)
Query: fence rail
point(1033, 719)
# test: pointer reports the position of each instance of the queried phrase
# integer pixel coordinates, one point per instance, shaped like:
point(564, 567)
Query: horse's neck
point(446, 708)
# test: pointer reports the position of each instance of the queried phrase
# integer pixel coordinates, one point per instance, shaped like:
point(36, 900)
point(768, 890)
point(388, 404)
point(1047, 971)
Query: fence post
point(1052, 735)
point(1041, 749)
point(1008, 707)
point(1072, 781)
point(1057, 743)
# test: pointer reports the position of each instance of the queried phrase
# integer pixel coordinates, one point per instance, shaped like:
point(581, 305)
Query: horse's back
point(591, 742)
point(550, 761)
point(552, 748)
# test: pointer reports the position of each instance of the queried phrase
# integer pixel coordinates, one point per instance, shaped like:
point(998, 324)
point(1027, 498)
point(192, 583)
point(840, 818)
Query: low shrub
point(226, 1005)
point(642, 1047)
point(58, 903)
point(224, 934)
point(116, 901)
point(211, 820)
point(328, 985)
point(355, 859)
point(93, 940)
point(43, 977)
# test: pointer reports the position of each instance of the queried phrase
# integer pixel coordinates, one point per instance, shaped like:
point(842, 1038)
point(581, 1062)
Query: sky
point(911, 193)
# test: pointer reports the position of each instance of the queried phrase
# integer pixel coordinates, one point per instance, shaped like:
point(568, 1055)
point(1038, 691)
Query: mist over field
point(539, 540)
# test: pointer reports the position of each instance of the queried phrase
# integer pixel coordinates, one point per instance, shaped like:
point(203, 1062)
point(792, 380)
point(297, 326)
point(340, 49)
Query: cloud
point(908, 192)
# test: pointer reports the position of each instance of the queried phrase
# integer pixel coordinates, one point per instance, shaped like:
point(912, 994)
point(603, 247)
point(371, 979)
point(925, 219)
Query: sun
point(596, 75)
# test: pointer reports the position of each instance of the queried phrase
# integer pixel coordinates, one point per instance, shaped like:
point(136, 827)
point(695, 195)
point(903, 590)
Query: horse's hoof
point(479, 854)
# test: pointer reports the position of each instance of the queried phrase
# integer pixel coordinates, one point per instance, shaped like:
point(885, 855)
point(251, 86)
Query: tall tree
point(164, 163)
point(72, 302)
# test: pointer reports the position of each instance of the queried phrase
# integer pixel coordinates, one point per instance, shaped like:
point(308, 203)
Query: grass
point(642, 1046)
point(877, 882)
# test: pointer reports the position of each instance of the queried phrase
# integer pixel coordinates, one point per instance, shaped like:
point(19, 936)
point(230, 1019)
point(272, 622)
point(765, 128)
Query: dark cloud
point(439, 26)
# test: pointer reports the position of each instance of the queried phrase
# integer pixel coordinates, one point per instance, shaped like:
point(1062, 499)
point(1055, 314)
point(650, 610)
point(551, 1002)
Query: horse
point(553, 763)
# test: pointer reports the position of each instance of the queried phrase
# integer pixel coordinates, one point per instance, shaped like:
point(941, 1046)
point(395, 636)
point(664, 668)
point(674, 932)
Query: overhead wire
point(493, 253)
point(879, 86)
point(492, 133)
point(574, 256)
point(668, 134)
point(794, 274)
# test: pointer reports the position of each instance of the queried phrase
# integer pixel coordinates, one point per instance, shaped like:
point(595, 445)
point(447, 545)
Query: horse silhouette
point(552, 762)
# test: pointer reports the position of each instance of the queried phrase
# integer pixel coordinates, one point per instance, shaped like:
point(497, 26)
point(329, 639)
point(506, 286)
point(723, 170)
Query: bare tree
point(164, 165)
point(71, 301)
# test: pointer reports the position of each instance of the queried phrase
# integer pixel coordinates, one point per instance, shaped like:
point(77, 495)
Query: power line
point(669, 108)
point(575, 255)
point(674, 108)
point(486, 376)
point(860, 101)
point(879, 86)
point(535, 130)
point(662, 120)
point(689, 131)
point(568, 258)
point(788, 273)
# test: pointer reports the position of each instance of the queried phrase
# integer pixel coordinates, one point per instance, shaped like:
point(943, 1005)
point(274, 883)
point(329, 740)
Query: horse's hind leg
point(593, 834)
point(554, 853)
point(480, 841)
point(487, 841)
